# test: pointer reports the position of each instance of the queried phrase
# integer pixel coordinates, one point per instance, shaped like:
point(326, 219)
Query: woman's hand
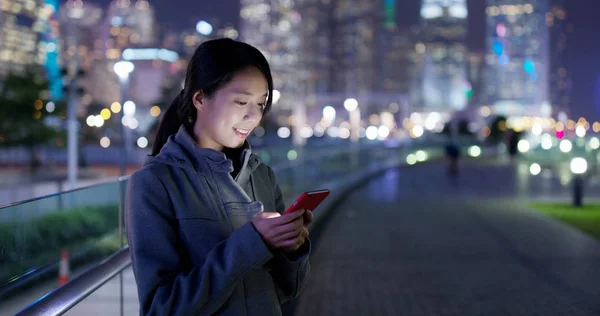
point(287, 232)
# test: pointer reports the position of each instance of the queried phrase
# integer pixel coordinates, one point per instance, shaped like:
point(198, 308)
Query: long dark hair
point(212, 66)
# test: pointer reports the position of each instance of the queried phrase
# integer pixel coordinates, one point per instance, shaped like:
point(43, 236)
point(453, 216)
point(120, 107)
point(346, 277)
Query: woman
point(203, 214)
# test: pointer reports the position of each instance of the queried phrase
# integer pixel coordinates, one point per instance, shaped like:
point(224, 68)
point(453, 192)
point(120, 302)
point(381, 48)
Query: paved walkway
point(411, 242)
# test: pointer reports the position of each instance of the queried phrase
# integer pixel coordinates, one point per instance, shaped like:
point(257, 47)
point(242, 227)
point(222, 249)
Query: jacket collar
point(181, 150)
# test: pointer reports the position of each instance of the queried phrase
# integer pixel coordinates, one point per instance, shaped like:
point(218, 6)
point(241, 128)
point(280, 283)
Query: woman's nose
point(253, 113)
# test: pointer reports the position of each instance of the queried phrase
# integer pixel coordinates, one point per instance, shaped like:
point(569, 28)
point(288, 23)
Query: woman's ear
point(198, 100)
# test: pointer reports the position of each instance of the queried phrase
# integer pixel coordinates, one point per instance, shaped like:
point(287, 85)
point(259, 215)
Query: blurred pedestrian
point(513, 138)
point(453, 155)
point(203, 215)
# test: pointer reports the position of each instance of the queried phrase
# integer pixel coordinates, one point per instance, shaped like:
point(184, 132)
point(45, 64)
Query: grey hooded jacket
point(193, 248)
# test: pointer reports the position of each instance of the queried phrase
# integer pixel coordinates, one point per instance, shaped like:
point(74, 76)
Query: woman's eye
point(262, 105)
point(241, 103)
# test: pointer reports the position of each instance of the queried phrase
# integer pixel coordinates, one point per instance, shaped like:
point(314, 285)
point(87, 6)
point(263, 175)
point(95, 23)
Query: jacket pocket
point(240, 213)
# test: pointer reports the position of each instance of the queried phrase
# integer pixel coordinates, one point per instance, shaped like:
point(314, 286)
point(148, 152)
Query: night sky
point(583, 51)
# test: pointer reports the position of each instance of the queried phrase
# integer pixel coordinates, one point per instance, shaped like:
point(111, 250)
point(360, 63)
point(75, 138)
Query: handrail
point(60, 193)
point(279, 166)
point(65, 297)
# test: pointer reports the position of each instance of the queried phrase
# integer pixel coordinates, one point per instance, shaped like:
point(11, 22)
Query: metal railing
point(370, 159)
point(65, 297)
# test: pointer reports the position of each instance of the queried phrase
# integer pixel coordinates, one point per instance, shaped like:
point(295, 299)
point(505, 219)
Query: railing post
point(120, 232)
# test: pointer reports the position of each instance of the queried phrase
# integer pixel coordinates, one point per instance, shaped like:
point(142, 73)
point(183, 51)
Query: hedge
point(38, 242)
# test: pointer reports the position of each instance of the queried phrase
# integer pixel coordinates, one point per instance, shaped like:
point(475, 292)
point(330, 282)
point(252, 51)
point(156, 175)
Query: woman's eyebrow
point(247, 93)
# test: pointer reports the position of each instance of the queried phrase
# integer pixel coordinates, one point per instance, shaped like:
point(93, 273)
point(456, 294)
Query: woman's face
point(230, 115)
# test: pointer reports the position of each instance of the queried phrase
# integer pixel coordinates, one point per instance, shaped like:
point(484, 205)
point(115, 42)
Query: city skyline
point(584, 69)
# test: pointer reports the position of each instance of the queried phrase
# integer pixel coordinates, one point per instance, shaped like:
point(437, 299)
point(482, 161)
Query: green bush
point(38, 242)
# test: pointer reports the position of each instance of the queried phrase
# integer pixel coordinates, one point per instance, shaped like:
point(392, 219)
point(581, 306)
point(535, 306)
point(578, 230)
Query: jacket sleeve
point(289, 270)
point(166, 286)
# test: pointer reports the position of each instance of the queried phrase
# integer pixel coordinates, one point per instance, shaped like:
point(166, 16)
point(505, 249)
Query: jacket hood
point(181, 150)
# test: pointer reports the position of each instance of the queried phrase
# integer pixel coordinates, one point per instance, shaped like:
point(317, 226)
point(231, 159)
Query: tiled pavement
point(413, 242)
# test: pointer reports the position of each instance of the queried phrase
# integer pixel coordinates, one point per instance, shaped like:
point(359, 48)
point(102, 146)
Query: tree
point(25, 115)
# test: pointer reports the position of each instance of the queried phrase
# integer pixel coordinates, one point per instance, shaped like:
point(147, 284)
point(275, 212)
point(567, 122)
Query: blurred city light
point(38, 104)
point(474, 151)
point(142, 142)
point(344, 133)
point(129, 108)
point(523, 146)
point(580, 131)
point(50, 107)
point(284, 132)
point(115, 107)
point(372, 132)
point(350, 104)
point(594, 143)
point(565, 146)
point(204, 28)
point(546, 141)
point(259, 131)
point(91, 121)
point(319, 130)
point(485, 111)
point(333, 131)
point(105, 142)
point(129, 121)
point(155, 111)
point(150, 54)
point(383, 132)
point(578, 165)
point(535, 169)
point(417, 131)
point(329, 113)
point(411, 159)
point(276, 96)
point(421, 155)
point(306, 132)
point(123, 69)
point(105, 113)
point(536, 129)
point(362, 132)
point(292, 155)
point(98, 121)
point(133, 123)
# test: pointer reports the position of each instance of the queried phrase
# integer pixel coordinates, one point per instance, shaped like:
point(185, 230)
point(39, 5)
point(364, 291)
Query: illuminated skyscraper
point(442, 57)
point(517, 58)
point(316, 34)
point(354, 44)
point(79, 22)
point(274, 28)
point(560, 79)
point(128, 24)
point(21, 44)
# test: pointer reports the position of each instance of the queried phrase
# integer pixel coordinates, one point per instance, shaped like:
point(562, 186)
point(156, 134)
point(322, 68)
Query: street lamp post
point(123, 69)
point(351, 105)
point(578, 168)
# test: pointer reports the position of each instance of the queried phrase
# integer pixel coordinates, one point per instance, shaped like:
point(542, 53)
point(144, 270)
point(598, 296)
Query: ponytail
point(169, 124)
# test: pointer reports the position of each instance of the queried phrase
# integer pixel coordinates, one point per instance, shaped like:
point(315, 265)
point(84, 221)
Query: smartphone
point(308, 201)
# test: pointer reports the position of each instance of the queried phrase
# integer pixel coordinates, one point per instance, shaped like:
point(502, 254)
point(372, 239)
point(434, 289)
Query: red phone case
point(308, 200)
